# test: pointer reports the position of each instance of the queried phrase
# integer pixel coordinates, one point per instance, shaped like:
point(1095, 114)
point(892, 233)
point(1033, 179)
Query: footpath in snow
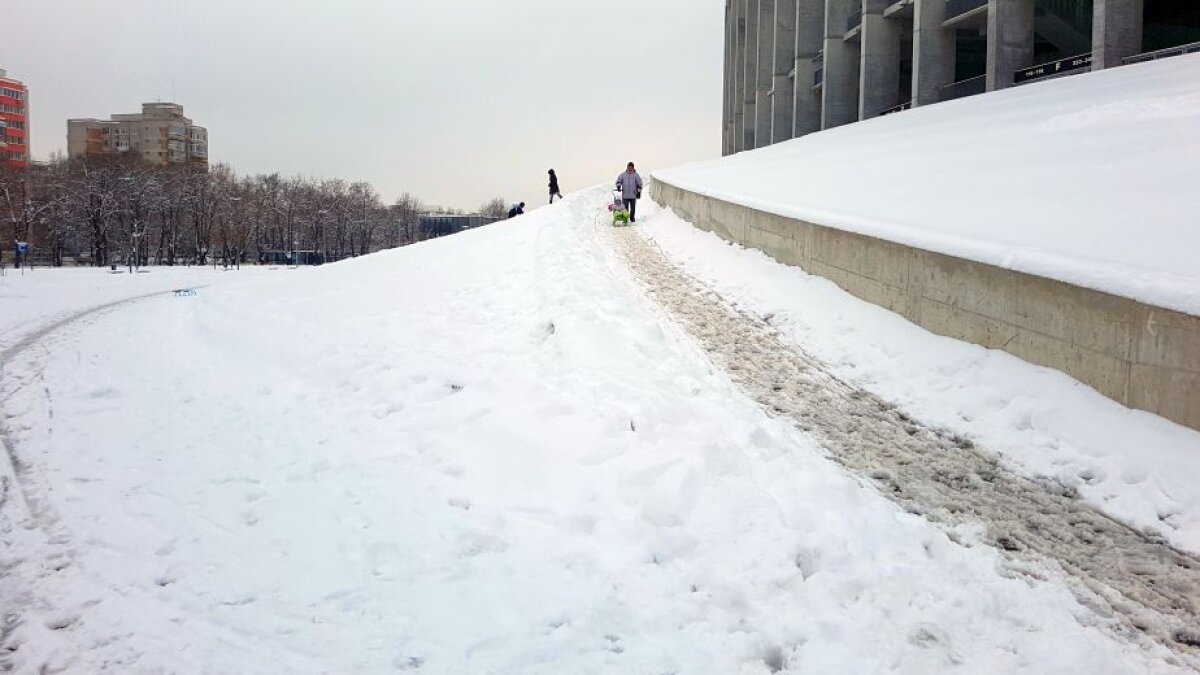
point(1089, 179)
point(934, 471)
point(495, 452)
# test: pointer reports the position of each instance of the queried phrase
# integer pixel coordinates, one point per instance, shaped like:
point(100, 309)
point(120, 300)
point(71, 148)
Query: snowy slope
point(487, 453)
point(1090, 179)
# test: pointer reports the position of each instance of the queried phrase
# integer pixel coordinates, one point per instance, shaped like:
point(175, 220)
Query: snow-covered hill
point(1090, 179)
point(494, 453)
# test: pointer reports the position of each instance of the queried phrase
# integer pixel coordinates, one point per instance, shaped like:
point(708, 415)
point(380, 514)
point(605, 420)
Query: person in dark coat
point(554, 187)
point(516, 210)
point(630, 185)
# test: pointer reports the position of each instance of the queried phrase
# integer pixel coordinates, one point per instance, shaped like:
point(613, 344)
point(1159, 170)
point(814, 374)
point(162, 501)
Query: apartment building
point(160, 135)
point(797, 66)
point(14, 123)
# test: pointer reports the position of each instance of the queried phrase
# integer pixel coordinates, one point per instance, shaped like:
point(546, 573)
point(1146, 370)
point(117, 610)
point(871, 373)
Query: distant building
point(441, 224)
point(14, 123)
point(160, 135)
point(296, 257)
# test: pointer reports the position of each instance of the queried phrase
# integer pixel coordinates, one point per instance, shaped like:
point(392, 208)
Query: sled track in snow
point(1135, 581)
point(54, 553)
point(9, 383)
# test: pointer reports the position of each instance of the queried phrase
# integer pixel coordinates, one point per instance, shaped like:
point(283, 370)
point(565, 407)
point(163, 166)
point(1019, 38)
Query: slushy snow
point(494, 453)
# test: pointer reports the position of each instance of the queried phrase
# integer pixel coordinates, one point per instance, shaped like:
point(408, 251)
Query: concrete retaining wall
point(1143, 356)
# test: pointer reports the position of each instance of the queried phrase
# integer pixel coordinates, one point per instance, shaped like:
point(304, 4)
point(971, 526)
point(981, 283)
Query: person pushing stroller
point(629, 184)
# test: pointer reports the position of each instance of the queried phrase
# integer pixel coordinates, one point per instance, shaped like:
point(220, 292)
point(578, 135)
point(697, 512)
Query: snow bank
point(1092, 180)
point(486, 453)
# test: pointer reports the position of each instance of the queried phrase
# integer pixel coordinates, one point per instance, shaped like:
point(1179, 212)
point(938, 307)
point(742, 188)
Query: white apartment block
point(159, 135)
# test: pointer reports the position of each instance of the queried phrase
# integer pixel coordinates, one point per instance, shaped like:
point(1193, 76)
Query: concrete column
point(739, 76)
point(839, 101)
point(879, 74)
point(933, 52)
point(726, 111)
point(766, 66)
point(729, 126)
point(1009, 40)
point(1116, 31)
point(749, 71)
point(783, 87)
point(810, 39)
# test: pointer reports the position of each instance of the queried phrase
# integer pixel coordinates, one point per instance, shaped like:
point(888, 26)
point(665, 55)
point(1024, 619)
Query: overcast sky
point(455, 101)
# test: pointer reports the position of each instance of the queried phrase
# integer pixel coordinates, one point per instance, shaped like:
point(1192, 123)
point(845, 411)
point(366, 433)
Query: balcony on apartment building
point(962, 11)
point(854, 24)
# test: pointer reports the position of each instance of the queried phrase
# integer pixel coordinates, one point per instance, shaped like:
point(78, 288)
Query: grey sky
point(455, 101)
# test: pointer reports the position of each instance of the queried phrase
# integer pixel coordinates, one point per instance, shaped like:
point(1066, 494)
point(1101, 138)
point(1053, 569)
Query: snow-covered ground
point(1090, 179)
point(34, 298)
point(493, 453)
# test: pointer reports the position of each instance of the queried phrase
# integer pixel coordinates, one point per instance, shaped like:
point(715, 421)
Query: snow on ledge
point(1092, 180)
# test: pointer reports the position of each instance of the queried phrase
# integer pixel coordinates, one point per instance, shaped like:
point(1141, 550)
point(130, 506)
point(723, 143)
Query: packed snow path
point(1141, 579)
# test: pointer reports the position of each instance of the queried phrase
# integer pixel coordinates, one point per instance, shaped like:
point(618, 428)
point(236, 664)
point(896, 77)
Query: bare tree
point(136, 196)
point(494, 208)
point(406, 212)
point(27, 196)
point(92, 203)
point(119, 208)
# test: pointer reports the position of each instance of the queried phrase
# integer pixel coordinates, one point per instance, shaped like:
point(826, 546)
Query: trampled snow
point(489, 453)
point(1090, 179)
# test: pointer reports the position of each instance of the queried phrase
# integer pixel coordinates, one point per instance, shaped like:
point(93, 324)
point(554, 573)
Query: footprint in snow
point(62, 621)
point(472, 544)
point(612, 643)
point(101, 393)
point(1133, 475)
point(409, 662)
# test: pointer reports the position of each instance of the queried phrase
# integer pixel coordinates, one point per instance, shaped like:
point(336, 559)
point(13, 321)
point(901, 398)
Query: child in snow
point(516, 210)
point(554, 187)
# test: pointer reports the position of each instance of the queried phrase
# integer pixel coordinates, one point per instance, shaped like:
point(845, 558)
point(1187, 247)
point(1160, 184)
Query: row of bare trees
point(123, 211)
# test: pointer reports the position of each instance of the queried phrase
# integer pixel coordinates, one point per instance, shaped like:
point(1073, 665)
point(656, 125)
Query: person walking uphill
point(554, 187)
point(630, 185)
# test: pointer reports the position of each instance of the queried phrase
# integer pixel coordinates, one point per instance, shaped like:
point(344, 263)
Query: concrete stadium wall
point(1142, 356)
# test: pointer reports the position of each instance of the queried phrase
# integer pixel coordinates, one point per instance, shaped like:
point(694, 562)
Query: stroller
point(620, 214)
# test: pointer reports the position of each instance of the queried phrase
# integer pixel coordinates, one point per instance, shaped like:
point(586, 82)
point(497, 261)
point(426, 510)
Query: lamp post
point(233, 223)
